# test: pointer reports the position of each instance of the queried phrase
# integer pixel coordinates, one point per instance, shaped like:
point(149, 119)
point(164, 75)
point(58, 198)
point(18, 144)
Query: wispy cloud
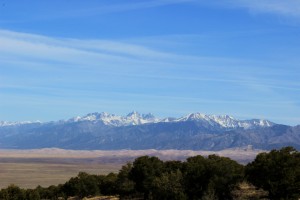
point(56, 48)
point(289, 8)
point(283, 7)
point(109, 58)
point(286, 8)
point(108, 7)
point(112, 74)
point(135, 5)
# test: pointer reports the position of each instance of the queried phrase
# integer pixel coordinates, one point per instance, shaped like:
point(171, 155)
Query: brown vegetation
point(246, 191)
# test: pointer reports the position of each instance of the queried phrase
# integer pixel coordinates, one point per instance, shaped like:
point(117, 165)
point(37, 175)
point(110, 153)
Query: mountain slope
point(135, 131)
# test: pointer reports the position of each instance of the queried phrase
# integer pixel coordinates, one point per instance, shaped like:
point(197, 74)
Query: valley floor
point(45, 167)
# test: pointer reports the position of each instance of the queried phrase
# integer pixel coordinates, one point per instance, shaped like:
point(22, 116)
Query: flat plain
point(45, 167)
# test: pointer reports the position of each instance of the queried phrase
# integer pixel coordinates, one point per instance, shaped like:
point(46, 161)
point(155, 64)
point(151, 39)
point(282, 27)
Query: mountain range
point(104, 131)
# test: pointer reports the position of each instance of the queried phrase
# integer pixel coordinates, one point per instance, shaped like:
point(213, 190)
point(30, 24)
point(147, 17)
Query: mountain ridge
point(135, 118)
point(104, 131)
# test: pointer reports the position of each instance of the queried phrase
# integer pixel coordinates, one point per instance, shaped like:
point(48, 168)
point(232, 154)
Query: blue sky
point(61, 58)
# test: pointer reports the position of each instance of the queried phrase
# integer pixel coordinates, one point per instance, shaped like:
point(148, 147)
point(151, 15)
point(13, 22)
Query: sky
point(60, 59)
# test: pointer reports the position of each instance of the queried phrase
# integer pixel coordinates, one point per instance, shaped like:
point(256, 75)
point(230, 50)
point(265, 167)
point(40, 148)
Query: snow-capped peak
point(133, 118)
point(225, 121)
point(134, 114)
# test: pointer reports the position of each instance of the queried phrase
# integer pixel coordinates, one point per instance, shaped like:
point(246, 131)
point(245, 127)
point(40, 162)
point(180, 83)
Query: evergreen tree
point(213, 176)
point(83, 185)
point(32, 195)
point(13, 192)
point(145, 169)
point(169, 186)
point(125, 186)
point(107, 184)
point(277, 172)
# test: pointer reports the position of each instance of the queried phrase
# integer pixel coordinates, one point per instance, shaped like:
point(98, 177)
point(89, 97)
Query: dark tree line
point(212, 177)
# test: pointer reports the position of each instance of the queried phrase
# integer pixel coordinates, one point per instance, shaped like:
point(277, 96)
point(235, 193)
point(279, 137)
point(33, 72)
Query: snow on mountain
point(133, 118)
point(226, 121)
point(6, 123)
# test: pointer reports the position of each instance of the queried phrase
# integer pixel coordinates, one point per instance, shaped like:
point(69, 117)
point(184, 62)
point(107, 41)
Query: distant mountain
point(105, 131)
point(133, 118)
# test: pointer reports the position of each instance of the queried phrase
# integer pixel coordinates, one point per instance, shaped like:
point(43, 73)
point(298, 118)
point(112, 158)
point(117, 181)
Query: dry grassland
point(45, 167)
point(29, 175)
